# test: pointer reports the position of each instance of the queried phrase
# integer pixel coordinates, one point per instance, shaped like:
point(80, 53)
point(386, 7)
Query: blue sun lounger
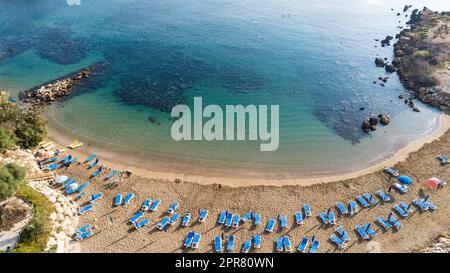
point(53, 167)
point(362, 232)
point(189, 238)
point(127, 199)
point(174, 218)
point(405, 206)
point(299, 218)
point(222, 217)
point(246, 246)
point(82, 186)
point(369, 197)
point(141, 224)
point(93, 164)
point(229, 219)
point(136, 216)
point(69, 183)
point(394, 221)
point(343, 234)
point(352, 207)
point(66, 159)
point(369, 230)
point(247, 217)
point(218, 244)
point(73, 160)
point(331, 217)
point(51, 160)
point(257, 241)
point(420, 205)
point(90, 158)
point(342, 209)
point(385, 224)
point(314, 246)
point(86, 209)
point(307, 209)
point(443, 159)
point(362, 201)
point(339, 242)
point(230, 244)
point(303, 245)
point(146, 205)
point(283, 221)
point(163, 223)
point(186, 219)
point(236, 219)
point(196, 241)
point(385, 197)
point(287, 244)
point(173, 207)
point(270, 225)
point(257, 219)
point(84, 235)
point(202, 216)
point(111, 175)
point(429, 205)
point(155, 205)
point(323, 218)
point(391, 172)
point(95, 197)
point(118, 200)
point(400, 188)
point(83, 229)
point(98, 172)
point(279, 244)
point(397, 208)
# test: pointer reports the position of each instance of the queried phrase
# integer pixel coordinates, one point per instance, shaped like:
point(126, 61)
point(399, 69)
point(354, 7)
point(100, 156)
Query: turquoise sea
point(315, 59)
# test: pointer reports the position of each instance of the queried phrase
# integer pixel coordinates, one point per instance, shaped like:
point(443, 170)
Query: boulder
point(373, 121)
point(385, 119)
point(390, 68)
point(366, 126)
point(379, 62)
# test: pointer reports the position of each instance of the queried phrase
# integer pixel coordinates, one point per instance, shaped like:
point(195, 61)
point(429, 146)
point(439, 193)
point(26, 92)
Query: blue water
point(313, 58)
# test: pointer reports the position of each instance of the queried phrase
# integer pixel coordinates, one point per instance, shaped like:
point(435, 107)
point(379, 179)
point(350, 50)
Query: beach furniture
point(279, 244)
point(98, 172)
point(369, 230)
point(83, 229)
point(236, 221)
point(385, 224)
point(257, 219)
point(287, 244)
point(69, 183)
point(186, 219)
point(420, 205)
point(82, 236)
point(51, 160)
point(392, 172)
point(283, 221)
point(95, 197)
point(405, 180)
point(257, 241)
point(299, 218)
point(53, 167)
point(141, 224)
point(331, 217)
point(314, 245)
point(127, 199)
point(342, 209)
point(218, 244)
point(163, 223)
point(323, 218)
point(303, 245)
point(362, 232)
point(93, 164)
point(247, 216)
point(90, 158)
point(189, 238)
point(270, 225)
point(385, 197)
point(229, 219)
point(202, 216)
point(352, 207)
point(112, 174)
point(85, 209)
point(443, 159)
point(196, 241)
point(73, 160)
point(75, 145)
point(394, 221)
point(146, 205)
point(339, 242)
point(340, 230)
point(174, 218)
point(82, 186)
point(246, 246)
point(397, 208)
point(136, 216)
point(307, 209)
point(369, 197)
point(155, 205)
point(66, 159)
point(222, 217)
point(400, 188)
point(429, 205)
point(230, 244)
point(405, 206)
point(173, 207)
point(118, 200)
point(362, 201)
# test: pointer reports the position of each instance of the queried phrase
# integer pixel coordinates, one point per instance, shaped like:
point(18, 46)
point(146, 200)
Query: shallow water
point(313, 58)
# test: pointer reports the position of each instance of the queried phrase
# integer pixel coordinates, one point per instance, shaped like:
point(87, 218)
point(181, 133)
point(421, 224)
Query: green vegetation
point(19, 127)
point(34, 237)
point(424, 54)
point(12, 176)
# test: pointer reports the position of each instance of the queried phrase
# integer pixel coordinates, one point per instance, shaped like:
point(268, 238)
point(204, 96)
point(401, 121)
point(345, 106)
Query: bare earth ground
point(418, 229)
point(440, 35)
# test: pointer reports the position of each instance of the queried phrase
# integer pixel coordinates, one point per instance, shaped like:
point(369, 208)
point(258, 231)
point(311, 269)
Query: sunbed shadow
point(145, 246)
point(311, 229)
point(118, 240)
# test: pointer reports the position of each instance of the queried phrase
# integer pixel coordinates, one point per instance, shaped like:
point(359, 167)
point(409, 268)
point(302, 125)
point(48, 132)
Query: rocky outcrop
point(442, 245)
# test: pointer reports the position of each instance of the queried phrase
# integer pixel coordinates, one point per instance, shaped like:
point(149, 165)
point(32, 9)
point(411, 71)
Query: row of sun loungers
point(83, 232)
point(302, 247)
point(192, 240)
point(340, 240)
point(118, 200)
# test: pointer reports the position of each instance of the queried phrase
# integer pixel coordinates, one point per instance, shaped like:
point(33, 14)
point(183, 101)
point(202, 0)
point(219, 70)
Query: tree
point(30, 130)
point(7, 139)
point(11, 177)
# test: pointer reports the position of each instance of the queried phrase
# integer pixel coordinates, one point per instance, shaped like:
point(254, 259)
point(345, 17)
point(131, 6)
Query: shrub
point(30, 130)
point(7, 139)
point(11, 178)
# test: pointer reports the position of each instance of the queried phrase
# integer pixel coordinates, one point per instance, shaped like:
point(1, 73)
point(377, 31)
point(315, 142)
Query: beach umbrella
point(61, 179)
point(405, 179)
point(433, 182)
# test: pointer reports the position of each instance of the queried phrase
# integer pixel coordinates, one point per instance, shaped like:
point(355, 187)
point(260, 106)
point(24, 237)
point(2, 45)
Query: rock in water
point(384, 119)
point(366, 127)
point(390, 68)
point(373, 121)
point(379, 62)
